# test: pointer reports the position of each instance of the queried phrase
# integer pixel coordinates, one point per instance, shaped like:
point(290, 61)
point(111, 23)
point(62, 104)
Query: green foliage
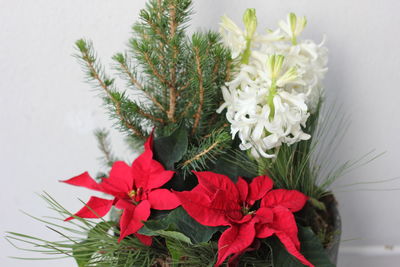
point(170, 149)
point(178, 221)
point(90, 243)
point(307, 165)
point(176, 80)
point(311, 248)
point(104, 146)
point(206, 153)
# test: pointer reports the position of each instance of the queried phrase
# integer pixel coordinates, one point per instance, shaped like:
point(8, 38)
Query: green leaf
point(231, 167)
point(152, 226)
point(178, 221)
point(197, 232)
point(311, 248)
point(170, 149)
point(175, 235)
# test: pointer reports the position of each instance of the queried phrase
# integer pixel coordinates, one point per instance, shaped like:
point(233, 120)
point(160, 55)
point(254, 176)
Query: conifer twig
point(104, 146)
point(138, 85)
point(149, 116)
point(201, 154)
point(228, 70)
point(197, 116)
point(172, 87)
point(95, 75)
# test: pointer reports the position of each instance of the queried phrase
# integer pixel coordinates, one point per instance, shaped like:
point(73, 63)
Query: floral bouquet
point(232, 172)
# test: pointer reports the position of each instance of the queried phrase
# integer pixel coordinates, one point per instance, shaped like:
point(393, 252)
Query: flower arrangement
point(230, 124)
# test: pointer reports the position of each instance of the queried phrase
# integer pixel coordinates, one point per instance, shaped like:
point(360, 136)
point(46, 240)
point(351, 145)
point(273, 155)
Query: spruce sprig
point(176, 79)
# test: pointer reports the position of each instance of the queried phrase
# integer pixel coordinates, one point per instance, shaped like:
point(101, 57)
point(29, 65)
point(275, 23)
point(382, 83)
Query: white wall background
point(47, 113)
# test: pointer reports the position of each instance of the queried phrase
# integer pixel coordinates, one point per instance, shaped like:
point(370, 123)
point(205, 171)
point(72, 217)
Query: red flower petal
point(132, 219)
point(264, 216)
point(120, 181)
point(263, 231)
point(124, 204)
point(95, 208)
point(159, 176)
point(291, 199)
point(285, 222)
point(200, 208)
point(148, 145)
point(259, 186)
point(84, 180)
point(147, 172)
point(291, 248)
point(214, 182)
point(146, 240)
point(235, 240)
point(163, 199)
point(243, 188)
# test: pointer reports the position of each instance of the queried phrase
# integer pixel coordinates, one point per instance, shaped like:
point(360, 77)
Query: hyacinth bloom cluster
point(136, 190)
point(277, 84)
point(217, 201)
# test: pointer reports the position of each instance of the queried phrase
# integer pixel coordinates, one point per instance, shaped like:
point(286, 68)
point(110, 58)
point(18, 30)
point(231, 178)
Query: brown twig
point(197, 116)
point(172, 87)
point(215, 71)
point(150, 117)
point(219, 129)
point(201, 154)
point(185, 111)
point(160, 77)
point(228, 71)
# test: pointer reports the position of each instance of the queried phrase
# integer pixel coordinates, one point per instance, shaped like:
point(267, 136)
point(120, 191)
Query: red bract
point(135, 189)
point(217, 201)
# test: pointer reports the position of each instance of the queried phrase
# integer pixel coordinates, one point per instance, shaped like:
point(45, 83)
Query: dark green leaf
point(231, 167)
point(179, 221)
point(170, 149)
point(190, 227)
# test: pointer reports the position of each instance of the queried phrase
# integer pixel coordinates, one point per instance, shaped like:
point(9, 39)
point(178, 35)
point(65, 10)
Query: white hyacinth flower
point(293, 26)
point(275, 88)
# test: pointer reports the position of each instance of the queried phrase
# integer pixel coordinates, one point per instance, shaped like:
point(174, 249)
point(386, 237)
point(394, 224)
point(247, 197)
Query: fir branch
point(104, 146)
point(124, 68)
point(94, 74)
point(199, 156)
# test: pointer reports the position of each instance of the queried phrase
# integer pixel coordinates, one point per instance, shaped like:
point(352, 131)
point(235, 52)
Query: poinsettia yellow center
point(132, 194)
point(246, 210)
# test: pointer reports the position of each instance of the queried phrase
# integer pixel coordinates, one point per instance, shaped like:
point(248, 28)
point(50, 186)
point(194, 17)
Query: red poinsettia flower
point(217, 201)
point(135, 189)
